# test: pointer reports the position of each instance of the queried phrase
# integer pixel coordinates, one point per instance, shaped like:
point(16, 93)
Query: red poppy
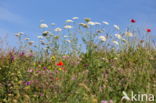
point(133, 21)
point(60, 63)
point(148, 30)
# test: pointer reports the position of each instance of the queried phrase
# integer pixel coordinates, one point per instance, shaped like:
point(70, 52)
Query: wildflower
point(104, 101)
point(148, 30)
point(116, 27)
point(124, 40)
point(60, 69)
point(141, 41)
point(45, 33)
point(19, 34)
point(69, 21)
point(57, 78)
point(60, 63)
point(58, 29)
point(115, 42)
point(68, 27)
point(129, 34)
point(28, 83)
point(30, 42)
point(87, 19)
point(97, 23)
point(43, 26)
point(12, 58)
point(30, 70)
point(94, 100)
point(118, 36)
point(83, 25)
point(40, 37)
point(102, 38)
point(21, 54)
point(27, 38)
point(105, 22)
point(75, 18)
point(14, 101)
point(68, 41)
point(56, 37)
point(53, 58)
point(133, 21)
point(44, 68)
point(91, 23)
point(66, 36)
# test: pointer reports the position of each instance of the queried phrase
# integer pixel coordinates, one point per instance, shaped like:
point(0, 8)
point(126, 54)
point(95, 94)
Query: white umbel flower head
point(69, 21)
point(118, 36)
point(40, 37)
point(91, 23)
point(68, 41)
point(115, 42)
point(75, 18)
point(102, 38)
point(105, 22)
point(58, 29)
point(43, 26)
point(97, 23)
point(27, 38)
point(129, 34)
point(19, 34)
point(116, 27)
point(68, 27)
point(30, 42)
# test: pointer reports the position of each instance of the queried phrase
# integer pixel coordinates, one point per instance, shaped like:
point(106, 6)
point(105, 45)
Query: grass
point(64, 73)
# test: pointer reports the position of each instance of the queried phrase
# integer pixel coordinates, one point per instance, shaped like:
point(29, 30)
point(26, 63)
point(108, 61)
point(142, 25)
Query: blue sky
point(25, 15)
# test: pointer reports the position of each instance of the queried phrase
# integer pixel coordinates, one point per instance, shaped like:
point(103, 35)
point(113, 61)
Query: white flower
point(58, 29)
point(75, 18)
point(115, 42)
point(19, 33)
point(102, 38)
point(97, 23)
point(45, 33)
point(69, 21)
point(27, 38)
point(40, 37)
point(129, 34)
point(83, 25)
point(66, 36)
point(118, 36)
point(68, 41)
point(91, 23)
point(105, 22)
point(117, 27)
point(68, 27)
point(43, 26)
point(124, 40)
point(30, 42)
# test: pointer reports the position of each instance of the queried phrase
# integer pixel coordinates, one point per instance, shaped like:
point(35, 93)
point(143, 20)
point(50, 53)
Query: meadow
point(80, 62)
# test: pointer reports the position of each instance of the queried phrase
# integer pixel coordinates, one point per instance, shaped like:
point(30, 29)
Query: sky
point(25, 15)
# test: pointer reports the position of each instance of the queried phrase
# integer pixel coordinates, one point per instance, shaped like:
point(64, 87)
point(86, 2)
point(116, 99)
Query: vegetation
point(80, 63)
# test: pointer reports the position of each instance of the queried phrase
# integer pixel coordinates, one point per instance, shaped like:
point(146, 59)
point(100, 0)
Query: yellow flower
point(94, 100)
point(60, 69)
point(53, 58)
